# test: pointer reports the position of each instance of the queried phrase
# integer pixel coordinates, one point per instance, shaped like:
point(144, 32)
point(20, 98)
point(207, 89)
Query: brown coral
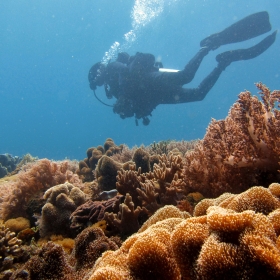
point(37, 178)
point(93, 211)
point(88, 165)
point(62, 200)
point(127, 218)
point(223, 244)
point(50, 263)
point(89, 246)
point(106, 172)
point(10, 248)
point(239, 151)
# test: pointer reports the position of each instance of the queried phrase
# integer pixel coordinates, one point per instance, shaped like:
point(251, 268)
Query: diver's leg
point(191, 68)
point(180, 78)
point(199, 93)
point(185, 95)
point(245, 54)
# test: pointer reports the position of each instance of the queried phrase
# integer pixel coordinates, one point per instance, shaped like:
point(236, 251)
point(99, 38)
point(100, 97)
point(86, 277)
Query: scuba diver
point(139, 83)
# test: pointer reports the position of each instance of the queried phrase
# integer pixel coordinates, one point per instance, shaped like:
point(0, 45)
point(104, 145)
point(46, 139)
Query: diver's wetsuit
point(139, 86)
point(140, 91)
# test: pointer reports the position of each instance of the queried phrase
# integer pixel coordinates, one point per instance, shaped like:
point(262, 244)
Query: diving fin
point(224, 59)
point(246, 28)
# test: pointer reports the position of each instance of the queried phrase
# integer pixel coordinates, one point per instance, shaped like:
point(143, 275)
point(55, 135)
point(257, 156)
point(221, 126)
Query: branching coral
point(127, 218)
point(10, 248)
point(165, 147)
point(128, 181)
point(239, 151)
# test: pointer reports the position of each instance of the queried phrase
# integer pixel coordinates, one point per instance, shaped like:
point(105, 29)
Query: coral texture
point(258, 199)
point(61, 201)
point(223, 244)
point(106, 172)
point(36, 179)
point(89, 246)
point(10, 248)
point(240, 151)
point(51, 262)
point(93, 211)
point(88, 165)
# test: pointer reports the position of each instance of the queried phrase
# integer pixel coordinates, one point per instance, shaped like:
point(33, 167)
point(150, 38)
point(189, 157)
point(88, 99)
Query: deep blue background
point(47, 48)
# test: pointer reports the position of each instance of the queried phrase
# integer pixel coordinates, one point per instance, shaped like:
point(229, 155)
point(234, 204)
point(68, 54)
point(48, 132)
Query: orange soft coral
point(239, 151)
point(223, 244)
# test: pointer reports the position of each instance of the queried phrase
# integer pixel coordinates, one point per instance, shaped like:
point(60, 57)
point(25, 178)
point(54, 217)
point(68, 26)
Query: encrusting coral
point(240, 151)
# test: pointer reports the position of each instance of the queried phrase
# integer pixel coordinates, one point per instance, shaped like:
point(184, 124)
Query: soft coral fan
point(239, 151)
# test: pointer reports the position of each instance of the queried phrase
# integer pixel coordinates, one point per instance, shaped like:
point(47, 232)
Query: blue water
point(47, 47)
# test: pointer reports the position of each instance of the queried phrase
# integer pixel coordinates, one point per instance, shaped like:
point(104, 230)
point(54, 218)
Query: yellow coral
point(163, 213)
point(17, 224)
point(258, 199)
point(220, 219)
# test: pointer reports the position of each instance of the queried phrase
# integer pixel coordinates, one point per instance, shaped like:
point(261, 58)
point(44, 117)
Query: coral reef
point(11, 250)
point(240, 151)
point(223, 244)
point(165, 147)
point(51, 262)
point(34, 180)
point(141, 158)
point(61, 201)
point(127, 218)
point(106, 172)
point(89, 246)
point(87, 166)
point(140, 213)
point(93, 211)
point(17, 224)
point(8, 163)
